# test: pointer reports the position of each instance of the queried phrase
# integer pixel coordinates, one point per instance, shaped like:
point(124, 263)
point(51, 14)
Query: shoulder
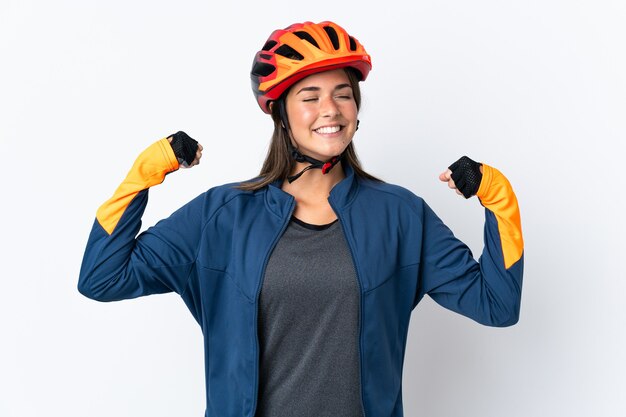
point(233, 191)
point(230, 190)
point(389, 194)
point(219, 196)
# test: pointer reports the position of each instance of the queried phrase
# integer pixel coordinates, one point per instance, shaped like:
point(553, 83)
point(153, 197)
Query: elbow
point(510, 321)
point(500, 321)
point(504, 317)
point(86, 291)
point(86, 279)
point(503, 308)
point(85, 287)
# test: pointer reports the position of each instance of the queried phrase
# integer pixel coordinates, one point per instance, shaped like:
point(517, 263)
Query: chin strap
point(324, 166)
point(299, 157)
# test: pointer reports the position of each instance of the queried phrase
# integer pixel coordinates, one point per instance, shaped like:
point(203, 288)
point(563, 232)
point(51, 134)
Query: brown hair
point(279, 163)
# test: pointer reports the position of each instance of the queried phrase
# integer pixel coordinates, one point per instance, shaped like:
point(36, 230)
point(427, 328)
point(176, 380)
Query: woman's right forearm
point(148, 170)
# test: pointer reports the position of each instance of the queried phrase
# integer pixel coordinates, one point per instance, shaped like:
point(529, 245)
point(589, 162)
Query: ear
point(271, 106)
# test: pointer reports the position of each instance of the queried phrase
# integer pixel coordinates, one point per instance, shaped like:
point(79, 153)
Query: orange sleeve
point(496, 194)
point(149, 169)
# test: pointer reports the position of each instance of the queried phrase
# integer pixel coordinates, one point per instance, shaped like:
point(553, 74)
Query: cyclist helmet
point(300, 50)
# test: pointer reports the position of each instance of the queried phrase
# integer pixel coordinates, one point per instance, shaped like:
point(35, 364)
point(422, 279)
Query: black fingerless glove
point(466, 175)
point(184, 147)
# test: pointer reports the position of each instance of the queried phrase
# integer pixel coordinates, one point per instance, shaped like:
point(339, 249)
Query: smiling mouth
point(328, 129)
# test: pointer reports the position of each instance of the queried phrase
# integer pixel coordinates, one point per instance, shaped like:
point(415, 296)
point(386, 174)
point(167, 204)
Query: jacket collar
point(342, 194)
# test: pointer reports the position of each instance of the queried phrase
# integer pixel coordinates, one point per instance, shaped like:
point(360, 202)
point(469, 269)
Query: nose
point(329, 108)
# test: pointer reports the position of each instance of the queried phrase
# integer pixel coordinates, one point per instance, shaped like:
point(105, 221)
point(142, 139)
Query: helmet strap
point(324, 166)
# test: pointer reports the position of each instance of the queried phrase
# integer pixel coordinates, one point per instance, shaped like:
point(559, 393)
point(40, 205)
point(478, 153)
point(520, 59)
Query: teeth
point(328, 129)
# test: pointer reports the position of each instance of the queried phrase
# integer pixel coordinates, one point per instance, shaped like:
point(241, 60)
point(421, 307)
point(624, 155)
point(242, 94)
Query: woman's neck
point(311, 192)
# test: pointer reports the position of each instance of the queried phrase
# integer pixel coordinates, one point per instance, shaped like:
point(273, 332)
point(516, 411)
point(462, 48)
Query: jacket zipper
point(358, 281)
point(256, 304)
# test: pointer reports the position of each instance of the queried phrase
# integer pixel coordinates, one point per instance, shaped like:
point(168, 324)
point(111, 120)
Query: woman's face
point(322, 114)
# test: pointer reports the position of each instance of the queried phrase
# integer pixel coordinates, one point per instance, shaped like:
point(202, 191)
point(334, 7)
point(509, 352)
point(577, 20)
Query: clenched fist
point(187, 150)
point(464, 176)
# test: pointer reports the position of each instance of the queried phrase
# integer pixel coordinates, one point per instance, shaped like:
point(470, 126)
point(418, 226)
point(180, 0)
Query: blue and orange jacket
point(213, 252)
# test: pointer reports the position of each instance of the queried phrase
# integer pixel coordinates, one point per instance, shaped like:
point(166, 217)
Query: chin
point(328, 154)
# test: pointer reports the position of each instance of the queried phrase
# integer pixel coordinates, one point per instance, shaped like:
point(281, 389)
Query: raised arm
point(117, 263)
point(488, 291)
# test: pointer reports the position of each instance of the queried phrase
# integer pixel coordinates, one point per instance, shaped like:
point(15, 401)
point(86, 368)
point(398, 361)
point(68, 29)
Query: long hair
point(279, 163)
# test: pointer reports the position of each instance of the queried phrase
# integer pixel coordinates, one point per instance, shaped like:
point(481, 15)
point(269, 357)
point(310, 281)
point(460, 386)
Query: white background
point(535, 88)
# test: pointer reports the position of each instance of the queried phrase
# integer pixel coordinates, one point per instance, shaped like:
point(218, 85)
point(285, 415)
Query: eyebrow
point(338, 87)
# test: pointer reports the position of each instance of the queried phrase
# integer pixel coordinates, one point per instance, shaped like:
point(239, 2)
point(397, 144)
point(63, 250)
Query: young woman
point(303, 280)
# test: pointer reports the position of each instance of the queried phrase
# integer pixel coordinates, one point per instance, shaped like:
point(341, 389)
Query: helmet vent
point(288, 52)
point(262, 69)
point(330, 31)
point(269, 45)
point(352, 44)
point(265, 56)
point(307, 37)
